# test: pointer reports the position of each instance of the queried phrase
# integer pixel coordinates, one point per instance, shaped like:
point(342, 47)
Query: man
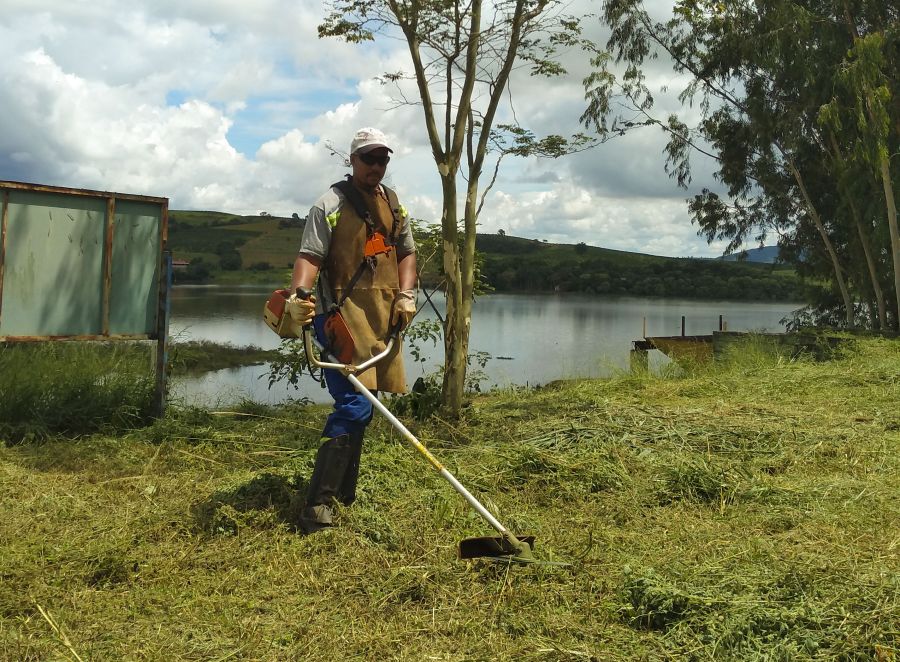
point(358, 242)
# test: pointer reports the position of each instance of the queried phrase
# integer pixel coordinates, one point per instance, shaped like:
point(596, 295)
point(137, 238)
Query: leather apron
point(367, 311)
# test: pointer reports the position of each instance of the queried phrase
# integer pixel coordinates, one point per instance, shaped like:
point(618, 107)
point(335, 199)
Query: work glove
point(301, 311)
point(404, 308)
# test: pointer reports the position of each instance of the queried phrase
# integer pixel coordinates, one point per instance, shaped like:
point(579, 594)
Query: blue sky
point(233, 106)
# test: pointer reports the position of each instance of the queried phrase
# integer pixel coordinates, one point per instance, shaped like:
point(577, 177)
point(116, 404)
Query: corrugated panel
point(135, 268)
point(52, 277)
point(66, 271)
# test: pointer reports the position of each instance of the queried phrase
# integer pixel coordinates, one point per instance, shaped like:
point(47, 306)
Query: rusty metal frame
point(110, 197)
point(4, 214)
point(44, 188)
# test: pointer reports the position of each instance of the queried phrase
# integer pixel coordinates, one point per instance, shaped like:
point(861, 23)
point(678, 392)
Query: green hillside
point(262, 249)
point(265, 244)
point(515, 264)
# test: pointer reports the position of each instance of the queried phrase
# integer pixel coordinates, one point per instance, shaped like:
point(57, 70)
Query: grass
point(73, 388)
point(77, 388)
point(199, 356)
point(741, 510)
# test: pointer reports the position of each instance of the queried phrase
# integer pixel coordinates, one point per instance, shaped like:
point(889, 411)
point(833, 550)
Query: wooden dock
point(699, 348)
point(690, 348)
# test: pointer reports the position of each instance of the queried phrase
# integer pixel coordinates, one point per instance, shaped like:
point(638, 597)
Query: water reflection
point(543, 337)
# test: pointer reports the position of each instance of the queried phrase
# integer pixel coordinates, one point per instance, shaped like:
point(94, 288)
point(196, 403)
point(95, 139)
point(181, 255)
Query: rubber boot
point(325, 483)
point(347, 492)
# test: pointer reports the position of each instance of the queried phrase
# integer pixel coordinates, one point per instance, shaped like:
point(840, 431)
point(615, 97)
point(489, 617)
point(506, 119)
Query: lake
point(534, 338)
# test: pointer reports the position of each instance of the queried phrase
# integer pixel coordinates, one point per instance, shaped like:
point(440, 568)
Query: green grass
point(78, 388)
point(742, 510)
point(203, 355)
point(73, 388)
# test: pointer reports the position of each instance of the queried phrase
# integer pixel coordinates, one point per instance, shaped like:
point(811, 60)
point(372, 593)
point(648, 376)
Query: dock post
point(682, 326)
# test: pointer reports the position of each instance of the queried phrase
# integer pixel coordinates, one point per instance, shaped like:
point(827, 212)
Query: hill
point(763, 254)
point(515, 264)
point(245, 248)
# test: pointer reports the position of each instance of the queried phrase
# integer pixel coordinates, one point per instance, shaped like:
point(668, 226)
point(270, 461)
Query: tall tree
point(462, 55)
point(761, 73)
point(866, 73)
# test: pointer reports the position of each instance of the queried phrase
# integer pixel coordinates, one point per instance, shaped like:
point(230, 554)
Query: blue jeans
point(352, 412)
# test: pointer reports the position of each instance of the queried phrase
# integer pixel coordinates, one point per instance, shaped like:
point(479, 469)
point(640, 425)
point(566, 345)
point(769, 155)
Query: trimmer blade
point(473, 548)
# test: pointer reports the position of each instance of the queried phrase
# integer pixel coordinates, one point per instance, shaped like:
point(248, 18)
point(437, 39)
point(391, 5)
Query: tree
point(866, 76)
point(197, 272)
point(462, 56)
point(230, 261)
point(762, 73)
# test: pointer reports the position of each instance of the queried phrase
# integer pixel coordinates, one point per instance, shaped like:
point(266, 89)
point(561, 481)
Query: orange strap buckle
point(375, 245)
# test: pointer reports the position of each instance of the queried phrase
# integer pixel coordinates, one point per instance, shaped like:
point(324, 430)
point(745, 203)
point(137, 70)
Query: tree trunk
point(870, 264)
point(456, 331)
point(895, 234)
point(817, 221)
point(861, 232)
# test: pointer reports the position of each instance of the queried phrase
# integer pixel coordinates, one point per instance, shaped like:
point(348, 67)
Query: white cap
point(367, 139)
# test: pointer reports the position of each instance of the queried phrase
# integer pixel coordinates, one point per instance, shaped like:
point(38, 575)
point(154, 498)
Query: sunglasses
point(371, 159)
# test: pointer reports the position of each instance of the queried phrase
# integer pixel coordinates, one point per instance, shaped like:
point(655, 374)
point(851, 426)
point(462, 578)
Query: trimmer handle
point(305, 294)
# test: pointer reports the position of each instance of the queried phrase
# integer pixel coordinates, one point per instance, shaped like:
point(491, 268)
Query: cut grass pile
point(744, 510)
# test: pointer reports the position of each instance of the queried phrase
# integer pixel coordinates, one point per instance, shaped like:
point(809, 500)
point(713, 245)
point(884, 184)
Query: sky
point(234, 106)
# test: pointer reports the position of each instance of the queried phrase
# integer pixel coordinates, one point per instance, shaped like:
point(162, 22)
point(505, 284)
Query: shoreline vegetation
point(742, 508)
point(219, 248)
point(198, 356)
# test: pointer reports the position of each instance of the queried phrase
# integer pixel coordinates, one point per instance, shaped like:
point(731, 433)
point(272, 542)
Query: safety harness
point(338, 335)
point(376, 241)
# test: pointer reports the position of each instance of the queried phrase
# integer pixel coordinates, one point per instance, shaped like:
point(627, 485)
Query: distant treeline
point(512, 264)
point(229, 248)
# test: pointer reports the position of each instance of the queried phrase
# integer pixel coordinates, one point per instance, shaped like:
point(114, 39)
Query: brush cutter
point(507, 547)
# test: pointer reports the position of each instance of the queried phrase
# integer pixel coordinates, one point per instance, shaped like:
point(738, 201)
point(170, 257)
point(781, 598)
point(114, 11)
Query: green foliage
point(290, 363)
point(230, 261)
point(795, 131)
point(197, 271)
point(424, 398)
point(70, 389)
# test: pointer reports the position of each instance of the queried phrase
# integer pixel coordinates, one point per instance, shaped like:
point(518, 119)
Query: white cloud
point(231, 106)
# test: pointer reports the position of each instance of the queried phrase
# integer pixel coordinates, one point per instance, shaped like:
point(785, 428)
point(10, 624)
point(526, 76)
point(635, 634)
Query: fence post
point(162, 335)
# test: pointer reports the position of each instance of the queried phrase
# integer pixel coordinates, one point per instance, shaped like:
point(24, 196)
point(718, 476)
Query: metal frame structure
point(164, 260)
